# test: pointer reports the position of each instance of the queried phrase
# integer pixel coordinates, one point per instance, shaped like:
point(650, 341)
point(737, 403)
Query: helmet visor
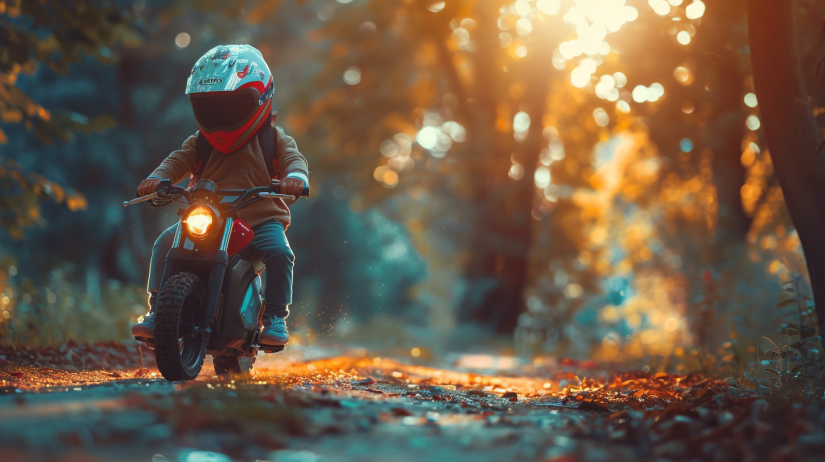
point(225, 110)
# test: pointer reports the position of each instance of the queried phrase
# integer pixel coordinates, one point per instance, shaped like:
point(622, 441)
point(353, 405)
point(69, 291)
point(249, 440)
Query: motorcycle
point(212, 297)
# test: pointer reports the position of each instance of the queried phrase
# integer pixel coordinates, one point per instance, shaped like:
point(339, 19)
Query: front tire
point(179, 349)
point(229, 365)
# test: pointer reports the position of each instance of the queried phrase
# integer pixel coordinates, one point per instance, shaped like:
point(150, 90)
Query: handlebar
point(140, 199)
point(167, 192)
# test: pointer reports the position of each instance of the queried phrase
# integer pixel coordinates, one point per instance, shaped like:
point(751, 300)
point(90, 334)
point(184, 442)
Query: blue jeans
point(270, 243)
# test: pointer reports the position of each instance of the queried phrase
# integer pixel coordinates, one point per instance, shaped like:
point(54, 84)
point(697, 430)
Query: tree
point(791, 129)
point(54, 34)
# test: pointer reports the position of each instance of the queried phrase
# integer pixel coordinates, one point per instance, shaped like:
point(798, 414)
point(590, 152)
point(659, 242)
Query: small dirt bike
point(212, 298)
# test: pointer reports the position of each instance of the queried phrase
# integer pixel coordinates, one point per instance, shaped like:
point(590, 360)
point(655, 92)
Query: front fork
point(216, 273)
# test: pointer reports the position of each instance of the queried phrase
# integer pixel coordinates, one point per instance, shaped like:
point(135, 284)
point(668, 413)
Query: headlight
point(199, 222)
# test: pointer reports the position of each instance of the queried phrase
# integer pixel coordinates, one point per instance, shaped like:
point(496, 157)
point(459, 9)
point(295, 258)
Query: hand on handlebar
point(292, 186)
point(148, 186)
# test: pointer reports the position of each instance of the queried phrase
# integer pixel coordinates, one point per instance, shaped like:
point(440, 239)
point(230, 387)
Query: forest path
point(339, 407)
point(343, 405)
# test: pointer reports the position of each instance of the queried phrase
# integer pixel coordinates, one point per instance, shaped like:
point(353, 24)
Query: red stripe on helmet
point(224, 141)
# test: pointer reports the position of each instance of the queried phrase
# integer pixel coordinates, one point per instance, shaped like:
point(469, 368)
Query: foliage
point(332, 242)
point(55, 34)
point(59, 311)
point(21, 193)
point(794, 372)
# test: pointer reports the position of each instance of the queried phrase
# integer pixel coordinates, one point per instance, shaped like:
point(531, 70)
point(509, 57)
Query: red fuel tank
point(241, 236)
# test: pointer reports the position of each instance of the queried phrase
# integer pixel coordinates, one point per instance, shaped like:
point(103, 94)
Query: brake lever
point(166, 192)
point(276, 196)
point(140, 199)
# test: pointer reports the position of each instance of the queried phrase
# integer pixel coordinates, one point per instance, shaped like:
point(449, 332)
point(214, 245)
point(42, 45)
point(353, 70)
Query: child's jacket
point(242, 169)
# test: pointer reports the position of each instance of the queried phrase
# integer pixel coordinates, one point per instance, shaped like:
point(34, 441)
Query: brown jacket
point(241, 169)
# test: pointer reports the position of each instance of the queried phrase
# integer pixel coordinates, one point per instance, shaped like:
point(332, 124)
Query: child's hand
point(147, 186)
point(292, 186)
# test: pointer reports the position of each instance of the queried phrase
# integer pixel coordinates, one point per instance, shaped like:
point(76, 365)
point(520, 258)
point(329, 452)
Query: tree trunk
point(792, 133)
point(726, 130)
point(497, 269)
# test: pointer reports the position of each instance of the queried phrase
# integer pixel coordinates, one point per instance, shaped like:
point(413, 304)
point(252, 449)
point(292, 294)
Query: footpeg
point(272, 348)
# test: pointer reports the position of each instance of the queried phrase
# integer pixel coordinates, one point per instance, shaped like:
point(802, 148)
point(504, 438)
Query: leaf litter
point(397, 411)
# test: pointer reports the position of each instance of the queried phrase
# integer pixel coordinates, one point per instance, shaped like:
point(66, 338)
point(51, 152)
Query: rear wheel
point(227, 366)
point(180, 345)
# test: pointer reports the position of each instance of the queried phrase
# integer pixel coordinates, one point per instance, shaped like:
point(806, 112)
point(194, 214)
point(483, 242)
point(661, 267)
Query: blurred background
point(582, 178)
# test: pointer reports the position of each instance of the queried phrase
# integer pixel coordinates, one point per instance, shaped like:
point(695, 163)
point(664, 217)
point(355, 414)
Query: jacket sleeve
point(179, 163)
point(291, 162)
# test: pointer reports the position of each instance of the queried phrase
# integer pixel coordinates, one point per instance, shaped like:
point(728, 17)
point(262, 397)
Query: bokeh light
point(352, 76)
point(601, 117)
point(389, 148)
point(695, 10)
point(436, 7)
point(592, 20)
point(427, 137)
point(182, 40)
point(516, 171)
point(682, 75)
point(753, 122)
point(521, 122)
point(524, 26)
point(661, 7)
point(542, 177)
point(650, 94)
point(623, 107)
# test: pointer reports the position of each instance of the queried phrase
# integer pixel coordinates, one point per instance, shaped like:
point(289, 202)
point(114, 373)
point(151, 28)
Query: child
point(231, 89)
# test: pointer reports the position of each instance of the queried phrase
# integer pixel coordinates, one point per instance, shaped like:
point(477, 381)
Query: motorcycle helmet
point(230, 89)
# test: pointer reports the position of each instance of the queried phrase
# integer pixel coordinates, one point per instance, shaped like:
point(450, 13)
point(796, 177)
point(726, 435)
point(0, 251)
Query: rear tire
point(227, 366)
point(180, 303)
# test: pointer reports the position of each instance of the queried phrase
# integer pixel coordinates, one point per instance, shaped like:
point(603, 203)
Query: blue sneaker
point(275, 332)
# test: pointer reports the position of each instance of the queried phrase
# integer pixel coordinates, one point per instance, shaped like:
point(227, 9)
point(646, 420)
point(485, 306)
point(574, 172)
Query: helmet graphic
point(230, 89)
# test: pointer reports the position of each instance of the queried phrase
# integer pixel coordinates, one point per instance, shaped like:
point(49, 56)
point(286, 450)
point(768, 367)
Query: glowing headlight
point(198, 222)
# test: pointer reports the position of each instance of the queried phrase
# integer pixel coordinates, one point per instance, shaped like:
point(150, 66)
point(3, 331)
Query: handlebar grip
point(162, 184)
point(275, 187)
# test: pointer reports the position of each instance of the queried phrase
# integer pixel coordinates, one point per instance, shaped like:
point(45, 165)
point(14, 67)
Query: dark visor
point(224, 110)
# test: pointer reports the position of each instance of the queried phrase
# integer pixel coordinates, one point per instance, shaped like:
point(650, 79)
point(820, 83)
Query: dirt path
point(311, 406)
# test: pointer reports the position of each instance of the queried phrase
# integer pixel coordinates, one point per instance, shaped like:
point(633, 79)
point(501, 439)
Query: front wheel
point(229, 365)
point(180, 343)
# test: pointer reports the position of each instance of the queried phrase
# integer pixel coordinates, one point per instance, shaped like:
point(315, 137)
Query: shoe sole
point(142, 331)
point(275, 342)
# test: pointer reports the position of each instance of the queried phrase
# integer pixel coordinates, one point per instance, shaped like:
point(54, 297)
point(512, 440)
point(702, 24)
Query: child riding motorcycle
point(231, 90)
